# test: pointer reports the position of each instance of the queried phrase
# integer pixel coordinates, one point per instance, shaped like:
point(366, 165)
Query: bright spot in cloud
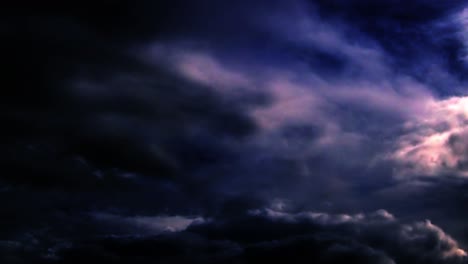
point(436, 142)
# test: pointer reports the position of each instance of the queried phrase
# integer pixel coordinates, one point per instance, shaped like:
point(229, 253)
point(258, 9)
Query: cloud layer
point(154, 131)
point(267, 234)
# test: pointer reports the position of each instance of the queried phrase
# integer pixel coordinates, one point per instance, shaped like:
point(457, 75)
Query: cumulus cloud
point(376, 237)
point(446, 247)
point(419, 241)
point(324, 218)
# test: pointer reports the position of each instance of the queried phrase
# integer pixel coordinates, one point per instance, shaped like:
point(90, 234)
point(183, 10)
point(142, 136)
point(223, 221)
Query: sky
point(320, 131)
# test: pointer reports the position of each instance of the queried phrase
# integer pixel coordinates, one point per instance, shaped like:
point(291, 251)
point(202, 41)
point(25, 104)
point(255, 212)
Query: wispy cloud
point(149, 224)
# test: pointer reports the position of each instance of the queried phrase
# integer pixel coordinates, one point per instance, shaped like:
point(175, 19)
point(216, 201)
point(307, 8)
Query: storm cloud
point(267, 234)
point(200, 131)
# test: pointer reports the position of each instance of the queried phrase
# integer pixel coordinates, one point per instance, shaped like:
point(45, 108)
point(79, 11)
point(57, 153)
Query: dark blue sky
point(234, 132)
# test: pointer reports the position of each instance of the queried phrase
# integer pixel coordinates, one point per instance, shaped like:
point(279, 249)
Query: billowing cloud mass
point(321, 131)
point(435, 143)
point(267, 234)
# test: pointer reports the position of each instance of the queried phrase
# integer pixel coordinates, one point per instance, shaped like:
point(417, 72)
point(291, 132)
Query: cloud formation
point(149, 225)
point(145, 135)
point(435, 142)
point(376, 237)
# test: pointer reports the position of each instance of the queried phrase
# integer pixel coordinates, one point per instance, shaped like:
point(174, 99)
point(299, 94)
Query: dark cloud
point(411, 31)
point(73, 86)
point(457, 144)
point(388, 15)
point(87, 123)
point(125, 123)
point(268, 235)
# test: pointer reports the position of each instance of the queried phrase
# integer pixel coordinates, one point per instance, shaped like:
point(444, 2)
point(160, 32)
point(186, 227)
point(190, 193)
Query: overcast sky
point(320, 131)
